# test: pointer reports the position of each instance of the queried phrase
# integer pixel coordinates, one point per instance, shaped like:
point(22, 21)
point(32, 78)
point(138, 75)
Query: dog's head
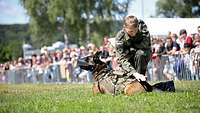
point(91, 62)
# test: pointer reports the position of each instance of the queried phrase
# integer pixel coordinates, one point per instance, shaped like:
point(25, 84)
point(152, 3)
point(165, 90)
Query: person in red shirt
point(184, 39)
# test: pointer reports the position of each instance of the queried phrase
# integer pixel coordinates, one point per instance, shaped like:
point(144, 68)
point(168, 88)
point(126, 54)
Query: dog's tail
point(165, 86)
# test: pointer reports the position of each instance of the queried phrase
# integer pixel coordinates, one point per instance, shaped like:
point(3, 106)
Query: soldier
point(133, 47)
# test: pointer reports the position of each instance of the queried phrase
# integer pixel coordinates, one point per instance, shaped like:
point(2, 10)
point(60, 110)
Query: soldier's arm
point(121, 53)
point(123, 58)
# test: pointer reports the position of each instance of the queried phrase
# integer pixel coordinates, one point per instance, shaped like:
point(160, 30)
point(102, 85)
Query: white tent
point(27, 46)
point(58, 45)
point(161, 26)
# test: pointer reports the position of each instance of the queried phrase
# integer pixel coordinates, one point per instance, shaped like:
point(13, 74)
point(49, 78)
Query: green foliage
point(13, 49)
point(11, 40)
point(78, 98)
point(41, 29)
point(10, 50)
point(71, 17)
point(178, 8)
point(96, 39)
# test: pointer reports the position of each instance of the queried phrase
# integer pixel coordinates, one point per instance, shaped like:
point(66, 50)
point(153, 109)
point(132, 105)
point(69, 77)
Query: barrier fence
point(165, 67)
point(177, 67)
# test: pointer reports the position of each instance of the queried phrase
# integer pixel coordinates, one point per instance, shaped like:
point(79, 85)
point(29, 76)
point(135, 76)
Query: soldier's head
point(131, 25)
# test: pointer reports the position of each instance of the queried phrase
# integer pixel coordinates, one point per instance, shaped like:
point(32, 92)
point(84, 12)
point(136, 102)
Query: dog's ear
point(96, 58)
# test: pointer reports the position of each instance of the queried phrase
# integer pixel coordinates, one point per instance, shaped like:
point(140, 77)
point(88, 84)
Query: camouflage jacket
point(126, 45)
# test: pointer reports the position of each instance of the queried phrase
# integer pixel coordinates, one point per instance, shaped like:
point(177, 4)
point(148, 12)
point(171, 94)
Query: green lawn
point(78, 98)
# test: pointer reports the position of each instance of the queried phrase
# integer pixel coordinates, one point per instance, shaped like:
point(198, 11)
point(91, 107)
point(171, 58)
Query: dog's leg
point(95, 89)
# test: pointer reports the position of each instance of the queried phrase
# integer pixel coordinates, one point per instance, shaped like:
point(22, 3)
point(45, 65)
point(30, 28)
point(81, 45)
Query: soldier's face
point(131, 30)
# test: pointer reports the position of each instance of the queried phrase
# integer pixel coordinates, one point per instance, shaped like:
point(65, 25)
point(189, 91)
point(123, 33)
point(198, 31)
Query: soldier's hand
point(139, 77)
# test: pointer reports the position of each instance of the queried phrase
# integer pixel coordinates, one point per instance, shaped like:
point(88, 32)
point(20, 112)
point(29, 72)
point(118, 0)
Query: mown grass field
point(78, 98)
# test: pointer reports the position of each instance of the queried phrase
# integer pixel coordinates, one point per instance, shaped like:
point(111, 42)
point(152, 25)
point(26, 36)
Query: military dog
point(106, 81)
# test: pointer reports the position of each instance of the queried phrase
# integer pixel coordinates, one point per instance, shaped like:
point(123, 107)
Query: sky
point(146, 10)
point(11, 11)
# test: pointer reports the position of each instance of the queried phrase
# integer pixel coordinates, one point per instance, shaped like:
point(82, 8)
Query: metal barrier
point(55, 73)
point(33, 75)
point(178, 67)
point(195, 67)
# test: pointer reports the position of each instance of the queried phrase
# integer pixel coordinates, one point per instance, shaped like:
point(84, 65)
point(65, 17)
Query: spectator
point(58, 56)
point(198, 30)
point(183, 38)
point(20, 63)
point(171, 46)
point(106, 42)
point(34, 60)
point(157, 66)
point(174, 37)
point(82, 52)
point(196, 41)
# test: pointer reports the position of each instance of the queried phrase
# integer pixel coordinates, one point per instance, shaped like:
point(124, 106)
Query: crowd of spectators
point(48, 64)
point(59, 65)
point(170, 52)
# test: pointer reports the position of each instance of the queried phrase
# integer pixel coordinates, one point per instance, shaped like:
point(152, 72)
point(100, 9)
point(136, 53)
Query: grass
point(78, 98)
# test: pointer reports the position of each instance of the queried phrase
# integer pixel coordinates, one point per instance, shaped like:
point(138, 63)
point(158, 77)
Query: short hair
point(183, 31)
point(198, 27)
point(131, 20)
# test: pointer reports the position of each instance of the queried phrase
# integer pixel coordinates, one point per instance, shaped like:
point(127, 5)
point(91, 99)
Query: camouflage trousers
point(139, 61)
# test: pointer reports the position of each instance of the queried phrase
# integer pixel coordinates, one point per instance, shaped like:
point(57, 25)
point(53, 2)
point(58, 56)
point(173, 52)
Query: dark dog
point(108, 82)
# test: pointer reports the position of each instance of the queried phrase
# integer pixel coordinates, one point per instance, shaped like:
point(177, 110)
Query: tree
point(41, 28)
point(11, 40)
point(75, 19)
point(178, 8)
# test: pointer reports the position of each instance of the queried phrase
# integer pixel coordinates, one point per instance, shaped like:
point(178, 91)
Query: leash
point(146, 86)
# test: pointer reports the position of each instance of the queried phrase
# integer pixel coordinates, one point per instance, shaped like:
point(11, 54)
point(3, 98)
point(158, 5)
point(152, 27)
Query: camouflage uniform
point(134, 53)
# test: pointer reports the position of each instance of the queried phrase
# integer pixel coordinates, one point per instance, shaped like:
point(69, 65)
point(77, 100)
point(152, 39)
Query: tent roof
point(161, 26)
